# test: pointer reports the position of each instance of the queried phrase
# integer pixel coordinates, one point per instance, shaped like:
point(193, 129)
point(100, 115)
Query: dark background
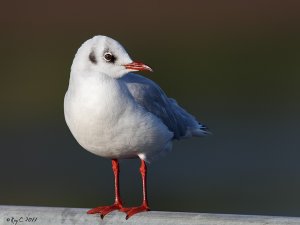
point(233, 64)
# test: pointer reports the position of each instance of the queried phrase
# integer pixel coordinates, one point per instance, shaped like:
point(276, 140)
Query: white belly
point(112, 125)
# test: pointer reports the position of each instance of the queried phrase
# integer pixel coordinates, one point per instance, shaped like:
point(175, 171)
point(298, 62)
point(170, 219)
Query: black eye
point(108, 56)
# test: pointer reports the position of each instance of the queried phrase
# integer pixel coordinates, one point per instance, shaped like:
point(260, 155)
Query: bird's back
point(150, 96)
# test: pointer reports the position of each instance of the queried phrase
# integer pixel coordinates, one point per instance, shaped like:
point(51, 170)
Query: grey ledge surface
point(18, 215)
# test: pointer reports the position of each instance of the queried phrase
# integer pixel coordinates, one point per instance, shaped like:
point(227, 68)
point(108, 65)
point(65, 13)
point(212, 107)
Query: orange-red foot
point(125, 209)
point(103, 210)
point(134, 210)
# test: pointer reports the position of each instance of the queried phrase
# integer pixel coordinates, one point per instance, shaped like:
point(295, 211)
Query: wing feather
point(150, 96)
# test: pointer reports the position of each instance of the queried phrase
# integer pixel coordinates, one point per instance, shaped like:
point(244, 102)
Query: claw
point(135, 210)
point(104, 210)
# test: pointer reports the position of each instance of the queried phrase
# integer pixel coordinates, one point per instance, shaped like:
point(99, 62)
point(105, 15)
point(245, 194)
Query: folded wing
point(150, 96)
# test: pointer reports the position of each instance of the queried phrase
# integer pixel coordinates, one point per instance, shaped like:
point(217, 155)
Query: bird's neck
point(96, 88)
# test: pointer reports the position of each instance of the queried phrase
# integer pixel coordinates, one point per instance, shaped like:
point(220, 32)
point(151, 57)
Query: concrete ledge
point(24, 215)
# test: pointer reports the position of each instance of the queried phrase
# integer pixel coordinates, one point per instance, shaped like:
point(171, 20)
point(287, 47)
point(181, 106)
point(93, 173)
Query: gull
point(116, 114)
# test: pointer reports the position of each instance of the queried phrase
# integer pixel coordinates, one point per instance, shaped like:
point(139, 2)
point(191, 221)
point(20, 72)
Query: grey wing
point(150, 96)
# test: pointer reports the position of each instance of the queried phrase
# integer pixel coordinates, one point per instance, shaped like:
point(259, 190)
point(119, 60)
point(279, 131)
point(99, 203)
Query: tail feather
point(200, 131)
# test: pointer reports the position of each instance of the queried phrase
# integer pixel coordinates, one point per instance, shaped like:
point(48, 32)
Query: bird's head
point(105, 55)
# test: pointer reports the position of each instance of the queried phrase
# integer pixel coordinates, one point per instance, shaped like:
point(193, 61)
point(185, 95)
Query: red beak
point(138, 66)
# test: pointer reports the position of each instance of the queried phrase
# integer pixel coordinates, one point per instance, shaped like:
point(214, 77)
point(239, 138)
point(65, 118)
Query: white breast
point(105, 120)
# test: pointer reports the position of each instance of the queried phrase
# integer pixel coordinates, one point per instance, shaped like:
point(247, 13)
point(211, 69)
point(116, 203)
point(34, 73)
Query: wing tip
point(203, 130)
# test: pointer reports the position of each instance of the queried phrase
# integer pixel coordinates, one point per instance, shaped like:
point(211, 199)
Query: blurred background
point(233, 64)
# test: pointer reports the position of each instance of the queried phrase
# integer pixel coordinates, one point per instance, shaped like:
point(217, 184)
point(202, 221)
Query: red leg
point(103, 210)
point(144, 207)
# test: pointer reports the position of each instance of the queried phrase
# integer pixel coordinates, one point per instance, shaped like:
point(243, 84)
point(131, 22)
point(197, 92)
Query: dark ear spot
point(92, 57)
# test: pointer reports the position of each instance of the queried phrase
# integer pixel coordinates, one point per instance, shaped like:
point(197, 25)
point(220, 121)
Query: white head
point(105, 55)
